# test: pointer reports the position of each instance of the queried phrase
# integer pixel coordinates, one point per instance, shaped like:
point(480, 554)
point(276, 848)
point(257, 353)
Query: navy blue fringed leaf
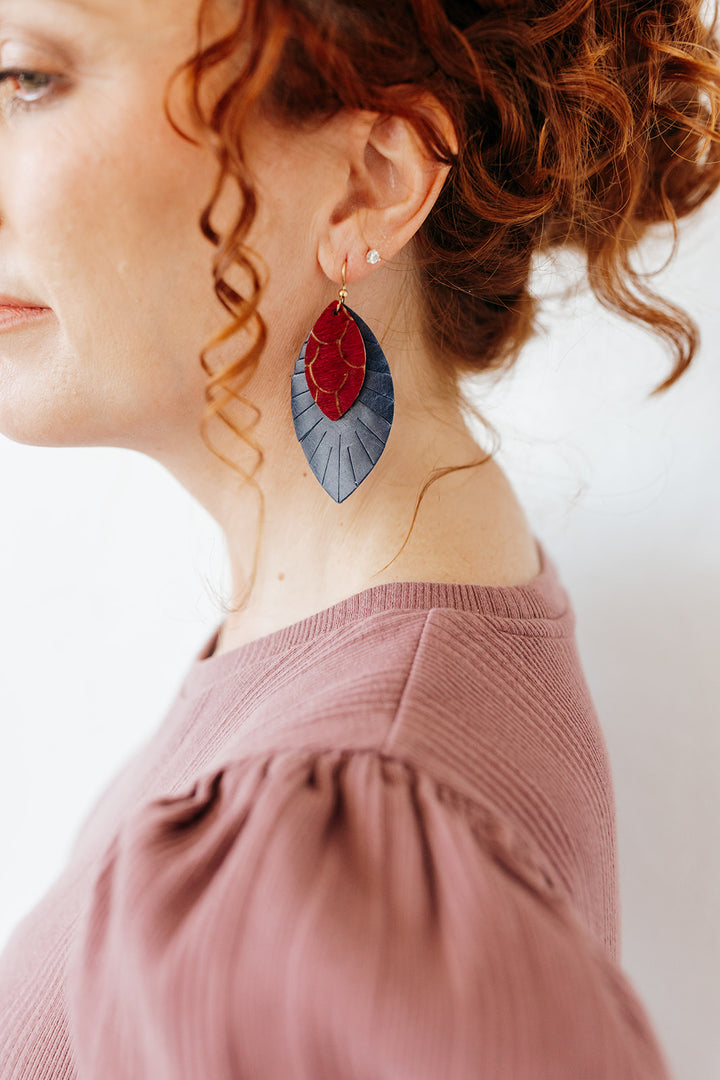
point(341, 453)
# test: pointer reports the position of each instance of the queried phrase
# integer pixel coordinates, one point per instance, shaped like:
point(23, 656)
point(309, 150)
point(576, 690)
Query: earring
point(342, 398)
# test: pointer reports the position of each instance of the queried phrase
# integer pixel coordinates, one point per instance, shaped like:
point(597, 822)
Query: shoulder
point(366, 667)
point(437, 647)
point(454, 649)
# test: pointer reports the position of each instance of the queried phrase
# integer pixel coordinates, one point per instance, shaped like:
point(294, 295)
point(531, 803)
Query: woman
point(375, 834)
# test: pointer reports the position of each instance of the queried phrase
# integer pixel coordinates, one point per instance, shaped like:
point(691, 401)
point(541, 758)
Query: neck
point(305, 552)
point(312, 552)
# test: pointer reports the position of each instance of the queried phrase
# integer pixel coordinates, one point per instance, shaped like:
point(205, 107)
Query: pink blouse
point(379, 844)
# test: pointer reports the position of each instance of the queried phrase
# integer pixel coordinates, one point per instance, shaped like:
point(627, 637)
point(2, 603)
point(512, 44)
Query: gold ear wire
point(343, 290)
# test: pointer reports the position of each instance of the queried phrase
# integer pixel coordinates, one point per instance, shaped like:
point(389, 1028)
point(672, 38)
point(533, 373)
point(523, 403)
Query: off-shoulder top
point(378, 844)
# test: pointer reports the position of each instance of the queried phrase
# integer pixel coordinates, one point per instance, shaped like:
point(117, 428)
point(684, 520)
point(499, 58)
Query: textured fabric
point(378, 844)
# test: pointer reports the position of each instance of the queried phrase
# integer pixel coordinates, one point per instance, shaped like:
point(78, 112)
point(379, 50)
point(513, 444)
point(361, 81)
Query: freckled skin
point(100, 201)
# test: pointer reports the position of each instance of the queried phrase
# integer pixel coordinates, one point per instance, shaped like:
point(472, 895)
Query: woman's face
point(99, 207)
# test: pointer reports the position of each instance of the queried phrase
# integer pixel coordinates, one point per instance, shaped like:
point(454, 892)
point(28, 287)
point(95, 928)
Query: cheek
point(117, 213)
point(106, 233)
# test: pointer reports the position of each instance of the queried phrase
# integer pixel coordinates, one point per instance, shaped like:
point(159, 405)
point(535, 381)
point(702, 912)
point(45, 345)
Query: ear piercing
point(373, 256)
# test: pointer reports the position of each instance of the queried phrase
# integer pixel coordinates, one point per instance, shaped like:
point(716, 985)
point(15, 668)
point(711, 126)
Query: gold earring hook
point(343, 290)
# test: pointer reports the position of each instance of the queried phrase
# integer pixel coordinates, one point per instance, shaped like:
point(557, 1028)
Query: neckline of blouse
point(541, 598)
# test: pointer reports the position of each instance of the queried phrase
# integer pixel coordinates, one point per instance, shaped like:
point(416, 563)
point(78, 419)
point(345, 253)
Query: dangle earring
point(342, 397)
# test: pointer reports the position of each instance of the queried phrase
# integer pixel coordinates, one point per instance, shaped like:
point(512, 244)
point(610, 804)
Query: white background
point(104, 561)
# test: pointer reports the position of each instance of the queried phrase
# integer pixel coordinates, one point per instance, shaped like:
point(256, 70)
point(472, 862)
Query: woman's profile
point(265, 242)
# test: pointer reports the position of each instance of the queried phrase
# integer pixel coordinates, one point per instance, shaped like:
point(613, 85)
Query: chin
point(21, 430)
point(50, 402)
point(44, 419)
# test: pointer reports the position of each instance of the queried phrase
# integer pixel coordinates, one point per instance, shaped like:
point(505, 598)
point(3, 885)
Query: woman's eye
point(25, 88)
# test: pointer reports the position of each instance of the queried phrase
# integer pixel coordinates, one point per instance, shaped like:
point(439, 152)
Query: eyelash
point(49, 83)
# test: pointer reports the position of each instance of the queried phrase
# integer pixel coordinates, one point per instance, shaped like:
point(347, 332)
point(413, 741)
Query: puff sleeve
point(339, 915)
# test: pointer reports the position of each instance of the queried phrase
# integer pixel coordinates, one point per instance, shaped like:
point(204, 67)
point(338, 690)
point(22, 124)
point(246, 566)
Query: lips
point(16, 312)
point(17, 302)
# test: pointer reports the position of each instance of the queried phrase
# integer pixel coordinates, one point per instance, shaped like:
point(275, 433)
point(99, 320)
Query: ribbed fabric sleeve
point(333, 915)
point(379, 843)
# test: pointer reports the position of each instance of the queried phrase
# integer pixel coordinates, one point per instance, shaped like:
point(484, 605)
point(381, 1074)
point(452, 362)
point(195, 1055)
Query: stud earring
point(372, 256)
point(342, 397)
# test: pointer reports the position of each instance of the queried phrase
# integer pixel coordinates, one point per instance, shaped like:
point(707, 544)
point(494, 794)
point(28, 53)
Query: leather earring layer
point(342, 397)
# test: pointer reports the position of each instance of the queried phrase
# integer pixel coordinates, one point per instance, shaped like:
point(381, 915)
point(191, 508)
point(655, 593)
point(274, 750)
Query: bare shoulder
point(472, 530)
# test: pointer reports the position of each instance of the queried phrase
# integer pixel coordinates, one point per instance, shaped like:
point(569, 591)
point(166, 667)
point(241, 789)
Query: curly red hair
point(580, 124)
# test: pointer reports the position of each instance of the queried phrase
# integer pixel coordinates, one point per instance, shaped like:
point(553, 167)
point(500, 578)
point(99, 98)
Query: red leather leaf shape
point(335, 361)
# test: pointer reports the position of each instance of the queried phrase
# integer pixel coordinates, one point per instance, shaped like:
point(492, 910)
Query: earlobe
point(393, 183)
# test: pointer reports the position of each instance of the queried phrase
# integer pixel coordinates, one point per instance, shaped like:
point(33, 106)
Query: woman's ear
point(392, 185)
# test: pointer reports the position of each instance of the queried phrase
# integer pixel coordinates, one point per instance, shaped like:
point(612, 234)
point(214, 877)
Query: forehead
point(92, 7)
point(166, 19)
point(161, 10)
